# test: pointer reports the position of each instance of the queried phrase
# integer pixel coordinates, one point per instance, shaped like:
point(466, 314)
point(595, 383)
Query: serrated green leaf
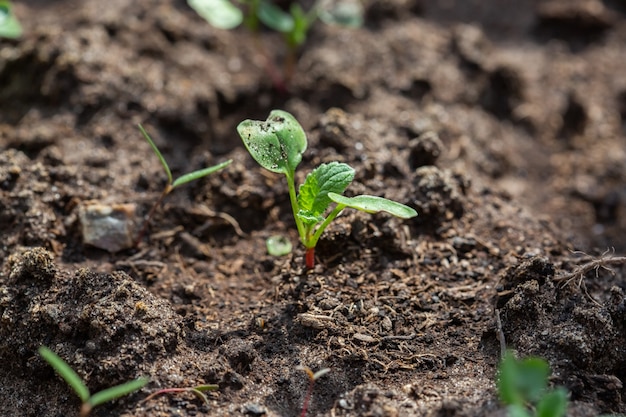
point(9, 25)
point(308, 218)
point(277, 143)
point(274, 18)
point(374, 204)
point(117, 391)
point(66, 372)
point(221, 14)
point(199, 174)
point(313, 197)
point(553, 404)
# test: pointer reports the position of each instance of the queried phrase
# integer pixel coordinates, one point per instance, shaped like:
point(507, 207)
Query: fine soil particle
point(501, 124)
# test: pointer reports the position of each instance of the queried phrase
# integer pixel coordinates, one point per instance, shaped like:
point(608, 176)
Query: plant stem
point(313, 241)
point(307, 398)
point(296, 208)
point(309, 257)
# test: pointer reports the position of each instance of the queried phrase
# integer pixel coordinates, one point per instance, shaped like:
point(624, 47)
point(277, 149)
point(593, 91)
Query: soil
point(503, 123)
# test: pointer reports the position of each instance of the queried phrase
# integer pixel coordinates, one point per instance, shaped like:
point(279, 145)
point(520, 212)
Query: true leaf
point(9, 25)
point(277, 143)
point(221, 14)
point(313, 197)
point(274, 18)
point(373, 204)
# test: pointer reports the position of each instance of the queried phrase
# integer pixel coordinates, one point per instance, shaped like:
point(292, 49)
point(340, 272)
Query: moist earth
point(502, 123)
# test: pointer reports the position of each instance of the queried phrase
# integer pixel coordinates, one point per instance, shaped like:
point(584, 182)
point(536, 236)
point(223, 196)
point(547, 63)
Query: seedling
point(523, 387)
point(171, 183)
point(79, 387)
point(9, 25)
point(277, 144)
point(294, 24)
point(309, 392)
point(198, 391)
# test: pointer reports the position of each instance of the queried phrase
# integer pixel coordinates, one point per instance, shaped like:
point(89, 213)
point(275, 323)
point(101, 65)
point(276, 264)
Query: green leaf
point(373, 204)
point(553, 404)
point(9, 25)
point(199, 174)
point(348, 13)
point(277, 144)
point(274, 18)
point(117, 391)
point(301, 24)
point(221, 14)
point(158, 154)
point(67, 373)
point(522, 381)
point(313, 197)
point(278, 245)
point(517, 411)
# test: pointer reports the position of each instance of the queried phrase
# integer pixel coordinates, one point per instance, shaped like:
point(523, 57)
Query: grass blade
point(199, 174)
point(67, 373)
point(158, 154)
point(117, 391)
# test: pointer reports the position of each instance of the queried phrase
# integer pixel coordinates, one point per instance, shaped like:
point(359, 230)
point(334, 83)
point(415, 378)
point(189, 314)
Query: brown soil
point(502, 122)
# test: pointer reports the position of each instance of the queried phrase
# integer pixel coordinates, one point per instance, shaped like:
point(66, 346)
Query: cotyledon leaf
point(277, 143)
point(374, 204)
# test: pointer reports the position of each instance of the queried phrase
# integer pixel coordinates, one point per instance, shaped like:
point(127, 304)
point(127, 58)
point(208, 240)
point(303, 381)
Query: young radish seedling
point(171, 183)
point(277, 144)
point(309, 391)
point(79, 387)
point(523, 387)
point(293, 24)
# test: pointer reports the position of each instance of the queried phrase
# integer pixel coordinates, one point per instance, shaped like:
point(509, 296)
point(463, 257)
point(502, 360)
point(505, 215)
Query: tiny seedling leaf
point(373, 204)
point(553, 404)
point(348, 13)
point(117, 391)
point(274, 18)
point(313, 197)
point(67, 373)
point(221, 14)
point(278, 245)
point(277, 143)
point(320, 373)
point(199, 174)
point(9, 25)
point(158, 154)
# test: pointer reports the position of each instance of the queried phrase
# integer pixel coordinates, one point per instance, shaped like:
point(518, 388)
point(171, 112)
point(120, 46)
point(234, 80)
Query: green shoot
point(277, 144)
point(312, 378)
point(76, 383)
point(523, 387)
point(171, 182)
point(198, 391)
point(294, 24)
point(9, 25)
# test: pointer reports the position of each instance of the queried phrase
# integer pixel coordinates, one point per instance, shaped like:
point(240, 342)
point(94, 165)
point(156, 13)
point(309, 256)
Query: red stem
point(309, 257)
point(307, 399)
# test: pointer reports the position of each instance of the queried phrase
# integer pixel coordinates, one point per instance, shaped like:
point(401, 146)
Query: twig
point(604, 261)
